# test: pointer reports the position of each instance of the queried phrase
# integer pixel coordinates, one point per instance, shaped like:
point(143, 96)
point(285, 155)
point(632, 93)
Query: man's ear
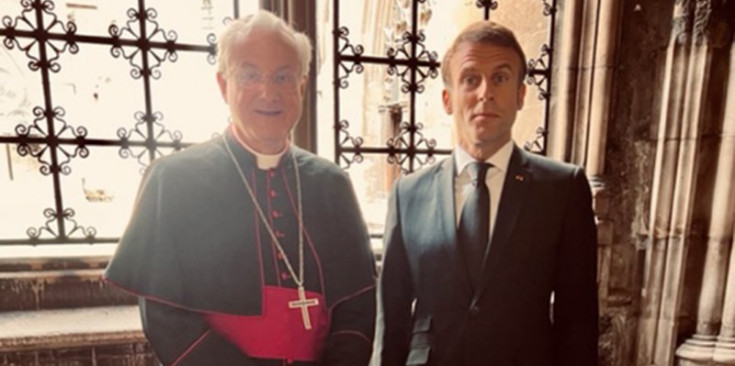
point(302, 84)
point(222, 82)
point(447, 101)
point(521, 95)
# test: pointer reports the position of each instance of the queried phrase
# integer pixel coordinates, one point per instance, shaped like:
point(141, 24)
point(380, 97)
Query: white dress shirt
point(494, 180)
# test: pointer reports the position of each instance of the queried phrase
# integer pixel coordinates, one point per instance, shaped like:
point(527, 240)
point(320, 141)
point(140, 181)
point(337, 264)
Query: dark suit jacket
point(544, 242)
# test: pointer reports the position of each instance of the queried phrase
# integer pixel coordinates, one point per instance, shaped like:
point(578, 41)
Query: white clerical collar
point(264, 161)
point(499, 160)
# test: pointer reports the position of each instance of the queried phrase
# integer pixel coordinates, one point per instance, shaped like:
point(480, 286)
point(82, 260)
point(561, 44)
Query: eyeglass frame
point(259, 79)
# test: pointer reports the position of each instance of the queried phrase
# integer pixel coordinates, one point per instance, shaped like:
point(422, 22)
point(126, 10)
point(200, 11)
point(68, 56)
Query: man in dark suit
point(490, 255)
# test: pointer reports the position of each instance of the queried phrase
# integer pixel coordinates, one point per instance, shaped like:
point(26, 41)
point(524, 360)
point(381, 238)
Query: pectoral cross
point(304, 304)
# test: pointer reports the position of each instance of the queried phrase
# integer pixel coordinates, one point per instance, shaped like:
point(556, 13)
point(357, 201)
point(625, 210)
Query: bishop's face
point(264, 89)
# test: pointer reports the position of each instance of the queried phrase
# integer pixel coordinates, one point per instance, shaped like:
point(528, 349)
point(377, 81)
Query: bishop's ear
point(447, 101)
point(222, 82)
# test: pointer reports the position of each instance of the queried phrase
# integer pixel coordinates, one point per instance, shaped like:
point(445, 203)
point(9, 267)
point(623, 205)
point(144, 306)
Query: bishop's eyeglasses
point(252, 78)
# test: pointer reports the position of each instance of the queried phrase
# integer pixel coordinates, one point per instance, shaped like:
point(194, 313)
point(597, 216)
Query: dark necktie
point(474, 224)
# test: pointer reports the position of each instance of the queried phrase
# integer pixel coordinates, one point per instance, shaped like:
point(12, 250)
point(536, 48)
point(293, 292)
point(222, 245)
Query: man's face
point(484, 95)
point(264, 89)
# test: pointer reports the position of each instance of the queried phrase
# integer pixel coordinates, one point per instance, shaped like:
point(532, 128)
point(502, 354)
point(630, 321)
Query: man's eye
point(284, 78)
point(470, 80)
point(500, 78)
point(250, 77)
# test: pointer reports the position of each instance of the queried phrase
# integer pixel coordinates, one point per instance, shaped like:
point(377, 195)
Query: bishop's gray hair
point(264, 20)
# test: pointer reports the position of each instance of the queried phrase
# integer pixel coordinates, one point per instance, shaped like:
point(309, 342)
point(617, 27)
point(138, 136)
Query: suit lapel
point(446, 216)
point(517, 181)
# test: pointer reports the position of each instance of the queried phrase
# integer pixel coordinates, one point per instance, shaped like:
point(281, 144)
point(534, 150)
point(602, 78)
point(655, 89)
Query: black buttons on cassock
point(474, 310)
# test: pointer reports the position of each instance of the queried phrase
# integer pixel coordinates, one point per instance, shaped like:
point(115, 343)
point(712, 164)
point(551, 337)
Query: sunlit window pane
point(181, 94)
point(78, 127)
point(101, 190)
point(26, 193)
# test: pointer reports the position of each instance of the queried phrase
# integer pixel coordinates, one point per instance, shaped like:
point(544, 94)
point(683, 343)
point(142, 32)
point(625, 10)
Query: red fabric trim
point(306, 235)
point(352, 296)
point(361, 335)
point(190, 348)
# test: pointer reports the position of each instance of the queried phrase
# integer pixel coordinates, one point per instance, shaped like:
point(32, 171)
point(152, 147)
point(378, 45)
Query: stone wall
point(630, 155)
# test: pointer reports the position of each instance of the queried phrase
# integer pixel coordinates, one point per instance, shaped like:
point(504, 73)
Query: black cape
point(191, 242)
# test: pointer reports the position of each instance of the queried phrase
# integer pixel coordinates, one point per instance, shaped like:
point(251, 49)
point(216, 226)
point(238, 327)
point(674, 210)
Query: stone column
point(684, 95)
point(596, 119)
point(580, 111)
point(588, 34)
point(566, 69)
point(724, 353)
point(700, 347)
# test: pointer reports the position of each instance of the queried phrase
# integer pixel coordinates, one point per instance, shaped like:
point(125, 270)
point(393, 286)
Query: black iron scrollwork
point(38, 33)
point(400, 147)
point(351, 145)
point(487, 6)
point(139, 51)
point(36, 232)
point(74, 228)
point(73, 231)
point(539, 72)
point(139, 132)
point(161, 135)
point(31, 141)
point(138, 136)
point(41, 35)
point(36, 141)
point(345, 48)
point(538, 143)
point(211, 48)
point(79, 147)
point(428, 68)
point(409, 64)
point(549, 9)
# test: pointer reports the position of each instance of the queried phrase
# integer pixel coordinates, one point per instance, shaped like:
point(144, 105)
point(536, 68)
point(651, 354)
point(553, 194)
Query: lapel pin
point(519, 178)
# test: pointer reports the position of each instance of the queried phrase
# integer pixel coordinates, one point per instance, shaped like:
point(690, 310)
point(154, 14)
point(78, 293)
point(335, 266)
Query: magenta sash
point(278, 333)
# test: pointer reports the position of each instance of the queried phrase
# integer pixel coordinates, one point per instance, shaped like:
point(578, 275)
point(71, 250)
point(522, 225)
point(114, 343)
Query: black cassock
point(213, 288)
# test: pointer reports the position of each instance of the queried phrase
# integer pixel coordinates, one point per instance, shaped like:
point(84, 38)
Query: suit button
point(475, 310)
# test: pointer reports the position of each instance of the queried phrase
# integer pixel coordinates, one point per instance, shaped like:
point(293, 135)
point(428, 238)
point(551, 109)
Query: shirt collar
point(499, 160)
point(264, 161)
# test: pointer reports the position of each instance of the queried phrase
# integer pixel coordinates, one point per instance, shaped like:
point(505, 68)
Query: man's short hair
point(263, 20)
point(483, 32)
